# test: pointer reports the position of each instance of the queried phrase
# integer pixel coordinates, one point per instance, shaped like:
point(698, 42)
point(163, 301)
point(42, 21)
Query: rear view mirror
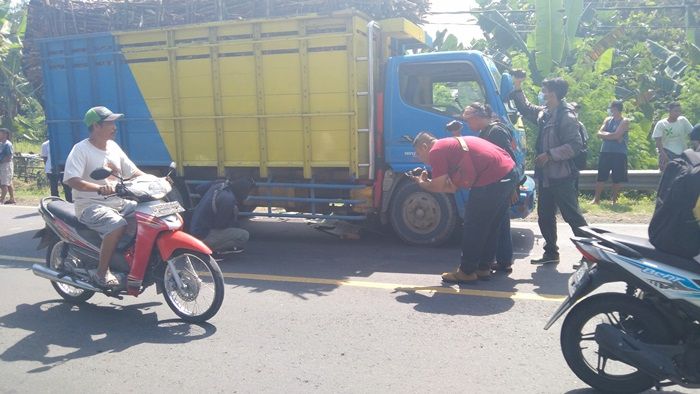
point(100, 174)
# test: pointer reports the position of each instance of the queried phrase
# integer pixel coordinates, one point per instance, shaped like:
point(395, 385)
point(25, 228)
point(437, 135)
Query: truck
point(319, 110)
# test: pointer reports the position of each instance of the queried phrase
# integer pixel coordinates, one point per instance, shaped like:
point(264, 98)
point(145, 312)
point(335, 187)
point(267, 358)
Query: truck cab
point(423, 93)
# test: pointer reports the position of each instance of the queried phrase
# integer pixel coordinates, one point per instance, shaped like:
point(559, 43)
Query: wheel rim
point(197, 294)
point(421, 212)
point(56, 263)
point(601, 364)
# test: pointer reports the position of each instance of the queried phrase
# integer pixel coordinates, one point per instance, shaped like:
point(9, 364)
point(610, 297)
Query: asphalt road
point(304, 312)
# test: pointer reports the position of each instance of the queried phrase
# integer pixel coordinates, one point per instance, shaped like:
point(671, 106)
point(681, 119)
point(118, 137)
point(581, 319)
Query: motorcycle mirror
point(100, 173)
point(173, 166)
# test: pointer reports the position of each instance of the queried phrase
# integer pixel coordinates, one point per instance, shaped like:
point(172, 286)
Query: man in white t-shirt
point(95, 206)
point(671, 135)
point(52, 174)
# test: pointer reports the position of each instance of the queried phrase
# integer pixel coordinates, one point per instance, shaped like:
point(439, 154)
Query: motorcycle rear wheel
point(624, 312)
point(202, 292)
point(54, 260)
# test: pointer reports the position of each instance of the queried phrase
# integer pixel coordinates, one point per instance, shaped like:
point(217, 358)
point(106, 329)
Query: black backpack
point(580, 161)
point(673, 228)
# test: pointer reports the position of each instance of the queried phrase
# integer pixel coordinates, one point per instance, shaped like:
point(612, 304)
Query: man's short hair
point(695, 134)
point(423, 138)
point(557, 85)
point(6, 132)
point(674, 104)
point(617, 104)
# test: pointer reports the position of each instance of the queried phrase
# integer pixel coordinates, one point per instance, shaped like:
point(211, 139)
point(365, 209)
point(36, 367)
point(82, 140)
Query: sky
point(454, 24)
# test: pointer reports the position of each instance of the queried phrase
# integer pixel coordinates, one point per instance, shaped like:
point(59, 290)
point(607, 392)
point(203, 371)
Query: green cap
point(99, 114)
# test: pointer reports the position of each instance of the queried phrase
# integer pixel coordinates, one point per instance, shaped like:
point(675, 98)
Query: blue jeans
point(483, 217)
point(504, 248)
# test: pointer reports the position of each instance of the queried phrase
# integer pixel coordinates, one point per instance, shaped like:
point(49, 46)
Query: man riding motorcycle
point(96, 206)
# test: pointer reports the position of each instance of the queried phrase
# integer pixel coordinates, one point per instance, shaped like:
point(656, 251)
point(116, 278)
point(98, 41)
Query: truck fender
point(169, 242)
point(391, 180)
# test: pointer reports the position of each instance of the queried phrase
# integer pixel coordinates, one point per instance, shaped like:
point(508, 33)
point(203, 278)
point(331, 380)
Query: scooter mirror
point(100, 173)
point(173, 165)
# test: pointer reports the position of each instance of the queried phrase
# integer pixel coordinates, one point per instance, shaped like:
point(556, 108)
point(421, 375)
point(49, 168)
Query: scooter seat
point(646, 249)
point(66, 212)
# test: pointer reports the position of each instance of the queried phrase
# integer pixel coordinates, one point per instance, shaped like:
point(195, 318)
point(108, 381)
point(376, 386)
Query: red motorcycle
point(154, 250)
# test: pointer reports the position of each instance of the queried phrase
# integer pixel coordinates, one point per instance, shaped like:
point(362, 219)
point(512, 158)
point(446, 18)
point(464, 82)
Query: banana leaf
point(605, 61)
point(549, 34)
point(694, 53)
point(494, 23)
point(606, 42)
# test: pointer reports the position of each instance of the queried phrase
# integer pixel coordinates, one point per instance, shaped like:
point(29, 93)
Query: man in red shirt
point(470, 162)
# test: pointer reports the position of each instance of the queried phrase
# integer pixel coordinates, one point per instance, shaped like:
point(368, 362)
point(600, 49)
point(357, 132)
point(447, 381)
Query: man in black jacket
point(558, 141)
point(215, 219)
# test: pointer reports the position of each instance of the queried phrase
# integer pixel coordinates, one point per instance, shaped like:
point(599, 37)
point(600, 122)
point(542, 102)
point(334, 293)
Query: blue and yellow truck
point(319, 110)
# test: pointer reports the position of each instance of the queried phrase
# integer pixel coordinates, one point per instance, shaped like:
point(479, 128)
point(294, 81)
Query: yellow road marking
point(514, 295)
point(398, 287)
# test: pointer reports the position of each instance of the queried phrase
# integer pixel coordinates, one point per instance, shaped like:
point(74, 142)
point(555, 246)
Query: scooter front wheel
point(193, 286)
point(55, 256)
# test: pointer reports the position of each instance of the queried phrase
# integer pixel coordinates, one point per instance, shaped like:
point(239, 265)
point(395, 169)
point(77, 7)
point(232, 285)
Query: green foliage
point(690, 95)
point(19, 109)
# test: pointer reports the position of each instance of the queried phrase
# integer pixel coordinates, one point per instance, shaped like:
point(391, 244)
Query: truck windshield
point(445, 88)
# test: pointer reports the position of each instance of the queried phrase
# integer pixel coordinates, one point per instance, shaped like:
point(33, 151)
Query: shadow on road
point(294, 249)
point(18, 244)
point(61, 332)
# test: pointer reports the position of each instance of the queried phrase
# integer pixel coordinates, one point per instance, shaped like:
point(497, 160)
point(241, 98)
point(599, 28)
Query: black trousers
point(54, 180)
point(483, 216)
point(563, 196)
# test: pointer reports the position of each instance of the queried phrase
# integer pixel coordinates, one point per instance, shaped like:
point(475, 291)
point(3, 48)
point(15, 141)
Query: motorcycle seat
point(646, 249)
point(66, 212)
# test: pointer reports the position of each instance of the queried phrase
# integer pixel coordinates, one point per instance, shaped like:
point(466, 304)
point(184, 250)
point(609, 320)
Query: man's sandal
point(107, 281)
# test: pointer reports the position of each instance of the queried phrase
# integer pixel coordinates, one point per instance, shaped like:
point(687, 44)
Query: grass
point(26, 147)
point(631, 207)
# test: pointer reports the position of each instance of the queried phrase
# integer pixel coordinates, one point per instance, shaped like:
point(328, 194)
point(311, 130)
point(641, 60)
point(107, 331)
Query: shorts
point(102, 219)
point(615, 163)
point(6, 173)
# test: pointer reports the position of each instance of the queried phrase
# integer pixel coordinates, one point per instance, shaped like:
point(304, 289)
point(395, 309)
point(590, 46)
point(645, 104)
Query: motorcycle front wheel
point(581, 351)
point(193, 286)
point(55, 255)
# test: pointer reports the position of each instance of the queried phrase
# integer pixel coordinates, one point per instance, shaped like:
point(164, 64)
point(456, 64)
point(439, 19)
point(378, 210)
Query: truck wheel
point(422, 218)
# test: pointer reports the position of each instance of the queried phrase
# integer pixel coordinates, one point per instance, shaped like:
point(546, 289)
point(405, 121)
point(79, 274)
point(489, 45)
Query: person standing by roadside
point(53, 175)
point(558, 141)
point(6, 167)
point(479, 117)
point(613, 152)
point(671, 135)
point(490, 173)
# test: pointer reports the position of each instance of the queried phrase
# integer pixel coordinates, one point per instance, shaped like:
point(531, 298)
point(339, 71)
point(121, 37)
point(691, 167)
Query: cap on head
point(99, 114)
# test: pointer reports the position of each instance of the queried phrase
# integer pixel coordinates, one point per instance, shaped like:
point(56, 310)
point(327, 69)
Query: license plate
point(167, 208)
point(579, 278)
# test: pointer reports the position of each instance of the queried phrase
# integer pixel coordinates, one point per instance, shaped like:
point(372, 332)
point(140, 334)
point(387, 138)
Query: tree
point(19, 110)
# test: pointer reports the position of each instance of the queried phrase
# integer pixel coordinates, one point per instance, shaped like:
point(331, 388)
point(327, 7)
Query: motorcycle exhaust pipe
point(45, 272)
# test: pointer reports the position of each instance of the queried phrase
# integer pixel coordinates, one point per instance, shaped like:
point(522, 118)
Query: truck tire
point(422, 218)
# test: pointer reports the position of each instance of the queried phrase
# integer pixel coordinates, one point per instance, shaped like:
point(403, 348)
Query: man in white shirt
point(671, 135)
point(53, 175)
point(95, 204)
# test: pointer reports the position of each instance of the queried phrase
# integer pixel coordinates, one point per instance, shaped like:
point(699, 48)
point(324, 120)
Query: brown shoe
point(459, 277)
point(484, 274)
